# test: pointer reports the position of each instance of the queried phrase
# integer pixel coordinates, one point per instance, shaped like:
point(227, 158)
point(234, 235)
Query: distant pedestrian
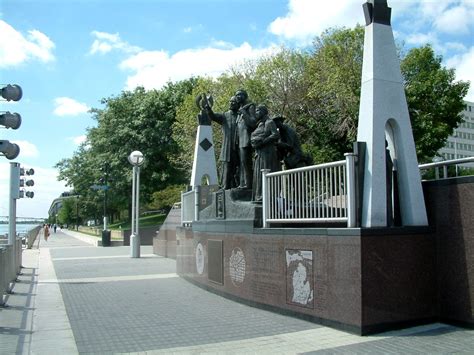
point(54, 227)
point(46, 232)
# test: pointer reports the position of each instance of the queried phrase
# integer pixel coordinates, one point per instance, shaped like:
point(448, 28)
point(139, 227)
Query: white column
point(204, 162)
point(383, 105)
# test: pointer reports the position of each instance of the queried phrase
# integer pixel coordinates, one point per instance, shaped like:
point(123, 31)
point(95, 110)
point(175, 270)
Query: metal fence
point(322, 193)
point(318, 193)
point(444, 166)
point(10, 265)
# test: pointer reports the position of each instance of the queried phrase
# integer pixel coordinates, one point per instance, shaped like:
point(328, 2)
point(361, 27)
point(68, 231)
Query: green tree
point(333, 79)
point(139, 120)
point(435, 100)
point(67, 212)
point(165, 198)
point(282, 77)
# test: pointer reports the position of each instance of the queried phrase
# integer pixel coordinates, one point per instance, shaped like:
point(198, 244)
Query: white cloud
point(16, 49)
point(65, 106)
point(308, 18)
point(421, 38)
point(152, 69)
point(455, 20)
point(27, 149)
point(447, 16)
point(456, 46)
point(105, 42)
point(79, 139)
point(463, 65)
point(46, 189)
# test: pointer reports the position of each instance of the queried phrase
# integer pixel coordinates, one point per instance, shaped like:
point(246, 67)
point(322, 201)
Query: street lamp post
point(136, 159)
point(105, 182)
point(77, 212)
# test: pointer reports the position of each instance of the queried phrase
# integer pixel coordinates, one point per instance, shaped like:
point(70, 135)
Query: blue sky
point(68, 55)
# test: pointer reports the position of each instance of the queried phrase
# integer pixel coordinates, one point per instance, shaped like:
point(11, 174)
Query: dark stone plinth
point(351, 279)
point(398, 278)
point(241, 194)
point(450, 203)
point(164, 243)
point(235, 209)
point(362, 280)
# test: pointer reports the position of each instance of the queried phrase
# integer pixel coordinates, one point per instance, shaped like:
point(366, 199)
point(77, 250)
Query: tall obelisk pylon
point(383, 116)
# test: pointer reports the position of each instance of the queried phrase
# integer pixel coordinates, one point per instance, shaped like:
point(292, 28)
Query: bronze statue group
point(252, 141)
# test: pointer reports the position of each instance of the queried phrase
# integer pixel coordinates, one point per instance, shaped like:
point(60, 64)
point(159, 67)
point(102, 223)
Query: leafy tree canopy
point(317, 91)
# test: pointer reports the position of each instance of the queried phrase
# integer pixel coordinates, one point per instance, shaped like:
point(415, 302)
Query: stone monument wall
point(350, 279)
point(450, 204)
point(164, 242)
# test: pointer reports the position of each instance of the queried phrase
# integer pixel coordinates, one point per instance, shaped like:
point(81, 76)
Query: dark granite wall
point(333, 272)
point(398, 278)
point(450, 205)
point(362, 280)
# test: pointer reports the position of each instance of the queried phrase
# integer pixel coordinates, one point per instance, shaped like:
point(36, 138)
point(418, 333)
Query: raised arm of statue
point(204, 103)
point(248, 115)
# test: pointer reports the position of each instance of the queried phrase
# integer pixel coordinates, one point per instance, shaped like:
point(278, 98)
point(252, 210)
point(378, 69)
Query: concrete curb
point(52, 331)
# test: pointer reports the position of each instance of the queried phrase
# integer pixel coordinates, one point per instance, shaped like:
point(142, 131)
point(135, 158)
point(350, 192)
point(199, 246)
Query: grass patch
point(146, 221)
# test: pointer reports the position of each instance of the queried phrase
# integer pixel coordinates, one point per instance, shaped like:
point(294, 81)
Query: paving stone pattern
point(76, 298)
point(155, 314)
point(15, 319)
point(107, 267)
point(437, 341)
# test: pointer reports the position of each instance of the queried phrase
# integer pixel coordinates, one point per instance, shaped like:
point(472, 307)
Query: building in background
point(461, 143)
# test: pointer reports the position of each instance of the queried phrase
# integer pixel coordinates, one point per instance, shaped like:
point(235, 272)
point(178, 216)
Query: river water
point(20, 228)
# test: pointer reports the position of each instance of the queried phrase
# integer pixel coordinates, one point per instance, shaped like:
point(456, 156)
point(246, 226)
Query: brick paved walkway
point(77, 298)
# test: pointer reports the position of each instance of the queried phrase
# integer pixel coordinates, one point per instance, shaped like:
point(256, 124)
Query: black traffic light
point(8, 149)
point(18, 183)
point(10, 120)
point(12, 92)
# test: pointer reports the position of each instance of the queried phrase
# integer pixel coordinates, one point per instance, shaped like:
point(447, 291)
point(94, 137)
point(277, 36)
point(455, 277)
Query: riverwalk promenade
point(73, 297)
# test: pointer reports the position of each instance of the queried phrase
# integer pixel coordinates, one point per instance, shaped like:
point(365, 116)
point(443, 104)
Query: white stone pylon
point(204, 164)
point(383, 115)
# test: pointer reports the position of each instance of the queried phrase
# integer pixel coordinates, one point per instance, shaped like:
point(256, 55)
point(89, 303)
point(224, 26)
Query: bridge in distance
point(23, 220)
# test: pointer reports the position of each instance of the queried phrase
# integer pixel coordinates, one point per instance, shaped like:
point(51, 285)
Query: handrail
point(308, 168)
point(446, 162)
point(317, 193)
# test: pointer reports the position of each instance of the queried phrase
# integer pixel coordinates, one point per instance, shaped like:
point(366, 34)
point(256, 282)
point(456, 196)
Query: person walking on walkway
point(46, 232)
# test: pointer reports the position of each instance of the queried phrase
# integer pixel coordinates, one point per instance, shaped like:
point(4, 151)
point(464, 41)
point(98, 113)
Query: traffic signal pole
point(16, 192)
